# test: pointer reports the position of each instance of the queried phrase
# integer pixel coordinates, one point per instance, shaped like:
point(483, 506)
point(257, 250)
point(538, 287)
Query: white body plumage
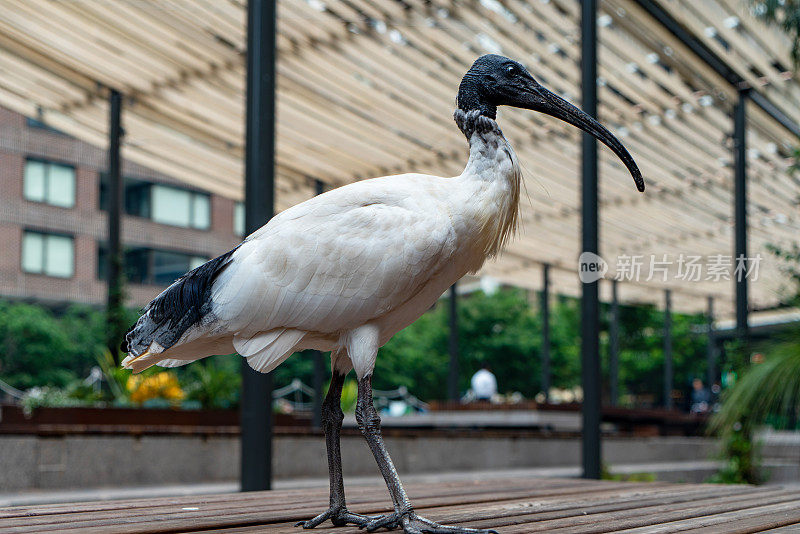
point(348, 269)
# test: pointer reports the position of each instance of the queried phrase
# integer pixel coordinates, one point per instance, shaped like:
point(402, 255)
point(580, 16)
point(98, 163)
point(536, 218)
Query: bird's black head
point(492, 81)
point(495, 80)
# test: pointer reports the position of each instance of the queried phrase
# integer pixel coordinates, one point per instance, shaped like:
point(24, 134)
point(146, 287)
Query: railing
point(296, 389)
point(294, 394)
point(11, 391)
point(383, 399)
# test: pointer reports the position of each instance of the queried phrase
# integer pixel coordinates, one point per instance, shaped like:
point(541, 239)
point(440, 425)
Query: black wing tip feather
point(181, 305)
point(189, 293)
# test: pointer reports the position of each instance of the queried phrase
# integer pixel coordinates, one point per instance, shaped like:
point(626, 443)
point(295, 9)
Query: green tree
point(503, 330)
point(417, 357)
point(641, 367)
point(565, 342)
point(41, 348)
point(35, 348)
point(499, 330)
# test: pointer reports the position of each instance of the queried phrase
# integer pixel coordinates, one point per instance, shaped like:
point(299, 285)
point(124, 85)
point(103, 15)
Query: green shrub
point(214, 382)
point(35, 348)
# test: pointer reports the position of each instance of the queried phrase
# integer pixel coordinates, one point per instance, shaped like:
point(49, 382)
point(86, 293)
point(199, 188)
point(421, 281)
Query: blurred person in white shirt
point(484, 384)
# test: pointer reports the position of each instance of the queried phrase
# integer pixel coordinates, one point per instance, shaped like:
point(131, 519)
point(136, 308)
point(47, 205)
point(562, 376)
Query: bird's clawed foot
point(387, 521)
point(411, 523)
point(339, 517)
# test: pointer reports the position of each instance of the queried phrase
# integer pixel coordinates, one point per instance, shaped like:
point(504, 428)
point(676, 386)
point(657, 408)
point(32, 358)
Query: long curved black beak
point(537, 98)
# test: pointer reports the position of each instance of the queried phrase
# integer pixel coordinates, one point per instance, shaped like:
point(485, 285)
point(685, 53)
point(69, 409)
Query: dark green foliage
point(565, 342)
point(500, 330)
point(32, 344)
point(38, 349)
point(741, 458)
point(214, 383)
point(641, 360)
point(87, 327)
point(417, 358)
point(504, 332)
point(300, 365)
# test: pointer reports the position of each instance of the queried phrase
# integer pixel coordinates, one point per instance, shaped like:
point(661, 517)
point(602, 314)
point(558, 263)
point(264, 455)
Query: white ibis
point(346, 270)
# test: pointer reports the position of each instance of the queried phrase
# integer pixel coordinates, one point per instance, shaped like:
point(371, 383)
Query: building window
point(179, 207)
point(49, 182)
point(169, 266)
point(162, 203)
point(150, 266)
point(49, 254)
point(39, 125)
point(238, 219)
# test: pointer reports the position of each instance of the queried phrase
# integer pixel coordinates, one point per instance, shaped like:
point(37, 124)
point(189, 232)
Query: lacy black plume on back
point(180, 306)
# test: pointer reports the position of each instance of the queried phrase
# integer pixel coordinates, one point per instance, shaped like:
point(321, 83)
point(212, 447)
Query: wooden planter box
point(87, 420)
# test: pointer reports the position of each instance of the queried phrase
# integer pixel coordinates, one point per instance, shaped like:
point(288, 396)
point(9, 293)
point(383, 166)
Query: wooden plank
point(271, 507)
point(793, 527)
point(700, 512)
point(761, 517)
point(509, 504)
point(418, 489)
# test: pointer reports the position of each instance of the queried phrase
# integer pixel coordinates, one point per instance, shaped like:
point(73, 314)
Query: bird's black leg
point(332, 425)
point(404, 516)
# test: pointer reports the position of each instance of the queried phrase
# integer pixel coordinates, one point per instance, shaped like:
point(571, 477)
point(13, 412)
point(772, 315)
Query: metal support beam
point(545, 310)
point(116, 199)
point(668, 372)
point(319, 364)
point(777, 115)
point(740, 208)
point(711, 349)
point(256, 411)
point(613, 347)
point(452, 345)
point(590, 302)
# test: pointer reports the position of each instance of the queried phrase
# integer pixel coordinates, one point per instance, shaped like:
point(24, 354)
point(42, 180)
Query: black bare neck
point(470, 96)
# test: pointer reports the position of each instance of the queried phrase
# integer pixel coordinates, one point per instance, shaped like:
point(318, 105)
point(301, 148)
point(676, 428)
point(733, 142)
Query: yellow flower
point(162, 385)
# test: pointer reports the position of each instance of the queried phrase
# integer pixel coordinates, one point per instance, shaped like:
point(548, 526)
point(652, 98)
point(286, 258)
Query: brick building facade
point(51, 214)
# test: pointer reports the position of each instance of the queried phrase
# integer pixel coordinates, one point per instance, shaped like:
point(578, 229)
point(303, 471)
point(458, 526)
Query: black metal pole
point(452, 345)
point(590, 303)
point(668, 373)
point(319, 365)
point(711, 350)
point(116, 260)
point(545, 305)
point(613, 347)
point(256, 402)
point(740, 209)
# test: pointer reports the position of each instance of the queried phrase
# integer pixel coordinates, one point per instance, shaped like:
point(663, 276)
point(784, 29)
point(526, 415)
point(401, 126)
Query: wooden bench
point(511, 505)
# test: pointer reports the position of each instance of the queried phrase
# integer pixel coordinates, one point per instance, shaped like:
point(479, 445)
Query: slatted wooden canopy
point(367, 87)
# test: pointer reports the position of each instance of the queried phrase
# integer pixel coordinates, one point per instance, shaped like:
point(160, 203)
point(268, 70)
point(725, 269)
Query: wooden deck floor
point(511, 505)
